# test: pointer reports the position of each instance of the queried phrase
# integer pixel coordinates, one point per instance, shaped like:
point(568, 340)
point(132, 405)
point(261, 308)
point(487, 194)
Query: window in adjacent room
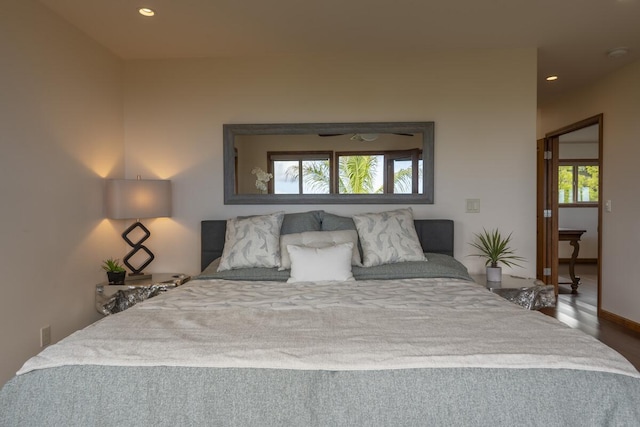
point(578, 182)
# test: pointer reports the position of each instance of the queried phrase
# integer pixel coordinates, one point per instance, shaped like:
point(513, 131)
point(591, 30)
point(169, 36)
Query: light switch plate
point(473, 205)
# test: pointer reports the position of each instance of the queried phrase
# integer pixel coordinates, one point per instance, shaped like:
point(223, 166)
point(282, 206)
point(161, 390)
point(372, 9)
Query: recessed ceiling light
point(617, 52)
point(552, 78)
point(145, 11)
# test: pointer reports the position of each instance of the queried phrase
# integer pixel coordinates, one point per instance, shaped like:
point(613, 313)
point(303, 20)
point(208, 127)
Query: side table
point(112, 299)
point(573, 237)
point(529, 293)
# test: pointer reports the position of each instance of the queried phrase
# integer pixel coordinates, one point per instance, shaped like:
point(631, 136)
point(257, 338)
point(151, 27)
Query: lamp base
point(132, 277)
point(137, 247)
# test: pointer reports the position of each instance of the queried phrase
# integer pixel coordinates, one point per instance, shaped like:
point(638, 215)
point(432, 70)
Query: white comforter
point(364, 325)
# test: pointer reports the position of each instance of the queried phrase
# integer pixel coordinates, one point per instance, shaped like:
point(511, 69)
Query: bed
point(406, 343)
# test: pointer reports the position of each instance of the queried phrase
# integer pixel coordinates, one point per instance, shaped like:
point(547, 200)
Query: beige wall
point(618, 98)
point(484, 118)
point(61, 131)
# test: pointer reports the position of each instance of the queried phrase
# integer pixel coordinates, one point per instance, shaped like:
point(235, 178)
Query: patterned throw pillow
point(388, 237)
point(252, 242)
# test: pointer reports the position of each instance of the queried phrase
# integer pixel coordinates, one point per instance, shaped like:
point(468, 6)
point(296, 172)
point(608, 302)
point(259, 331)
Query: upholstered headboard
point(436, 236)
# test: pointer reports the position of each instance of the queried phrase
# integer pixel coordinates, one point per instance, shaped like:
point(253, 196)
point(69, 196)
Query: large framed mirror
point(329, 163)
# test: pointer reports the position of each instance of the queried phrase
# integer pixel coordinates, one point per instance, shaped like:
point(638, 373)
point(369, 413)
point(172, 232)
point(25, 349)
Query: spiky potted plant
point(495, 249)
point(115, 271)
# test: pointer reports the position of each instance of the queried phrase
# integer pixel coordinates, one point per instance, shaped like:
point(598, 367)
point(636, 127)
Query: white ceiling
point(572, 36)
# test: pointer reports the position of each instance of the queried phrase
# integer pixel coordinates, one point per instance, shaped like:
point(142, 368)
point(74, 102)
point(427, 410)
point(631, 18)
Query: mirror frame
point(231, 130)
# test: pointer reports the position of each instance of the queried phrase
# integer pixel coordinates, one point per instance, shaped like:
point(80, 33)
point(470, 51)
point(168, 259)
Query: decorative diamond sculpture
point(137, 246)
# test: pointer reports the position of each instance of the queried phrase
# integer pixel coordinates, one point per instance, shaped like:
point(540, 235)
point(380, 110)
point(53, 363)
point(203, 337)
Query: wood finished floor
point(580, 311)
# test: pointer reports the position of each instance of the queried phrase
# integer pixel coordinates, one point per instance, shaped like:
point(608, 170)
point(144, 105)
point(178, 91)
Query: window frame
point(298, 156)
point(415, 155)
point(575, 163)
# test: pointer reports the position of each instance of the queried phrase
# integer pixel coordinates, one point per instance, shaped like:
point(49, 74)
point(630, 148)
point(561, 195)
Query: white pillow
point(252, 242)
point(318, 239)
point(388, 237)
point(320, 264)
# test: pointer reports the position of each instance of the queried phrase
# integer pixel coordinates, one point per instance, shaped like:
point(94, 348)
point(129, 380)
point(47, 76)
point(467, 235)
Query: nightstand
point(526, 292)
point(112, 299)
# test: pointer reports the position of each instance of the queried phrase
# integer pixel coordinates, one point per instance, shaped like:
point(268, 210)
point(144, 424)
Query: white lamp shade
point(138, 198)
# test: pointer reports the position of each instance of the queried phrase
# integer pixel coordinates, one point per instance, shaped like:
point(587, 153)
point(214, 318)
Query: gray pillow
point(255, 273)
point(331, 222)
point(301, 222)
point(438, 266)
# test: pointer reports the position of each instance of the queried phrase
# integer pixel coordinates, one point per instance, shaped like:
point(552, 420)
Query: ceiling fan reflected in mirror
point(363, 137)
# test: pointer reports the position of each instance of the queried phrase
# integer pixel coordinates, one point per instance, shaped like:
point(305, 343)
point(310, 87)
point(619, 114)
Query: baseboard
point(629, 324)
point(579, 260)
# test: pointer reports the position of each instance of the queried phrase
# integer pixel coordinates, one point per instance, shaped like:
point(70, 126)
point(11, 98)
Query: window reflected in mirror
point(300, 173)
point(363, 172)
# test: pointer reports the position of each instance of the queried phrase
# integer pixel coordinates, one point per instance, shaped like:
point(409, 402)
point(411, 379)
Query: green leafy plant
point(495, 248)
point(112, 264)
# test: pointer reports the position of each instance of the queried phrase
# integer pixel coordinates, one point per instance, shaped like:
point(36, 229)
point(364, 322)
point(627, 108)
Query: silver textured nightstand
point(112, 299)
point(526, 292)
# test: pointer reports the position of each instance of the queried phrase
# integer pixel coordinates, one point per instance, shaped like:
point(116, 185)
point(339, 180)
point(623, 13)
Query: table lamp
point(136, 199)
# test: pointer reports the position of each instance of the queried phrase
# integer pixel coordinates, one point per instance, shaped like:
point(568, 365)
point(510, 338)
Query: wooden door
point(547, 200)
point(547, 211)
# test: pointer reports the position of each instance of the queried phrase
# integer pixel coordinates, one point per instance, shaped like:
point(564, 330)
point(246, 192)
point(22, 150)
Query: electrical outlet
point(45, 336)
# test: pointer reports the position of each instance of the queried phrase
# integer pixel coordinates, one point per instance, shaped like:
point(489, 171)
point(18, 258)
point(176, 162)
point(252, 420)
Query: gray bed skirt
point(171, 396)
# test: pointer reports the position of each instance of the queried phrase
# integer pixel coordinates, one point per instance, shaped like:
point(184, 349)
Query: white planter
point(494, 274)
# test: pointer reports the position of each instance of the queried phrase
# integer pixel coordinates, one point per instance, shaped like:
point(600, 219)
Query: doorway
point(569, 202)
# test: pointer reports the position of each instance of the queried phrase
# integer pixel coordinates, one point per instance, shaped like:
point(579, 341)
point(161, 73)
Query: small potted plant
point(496, 250)
point(115, 271)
